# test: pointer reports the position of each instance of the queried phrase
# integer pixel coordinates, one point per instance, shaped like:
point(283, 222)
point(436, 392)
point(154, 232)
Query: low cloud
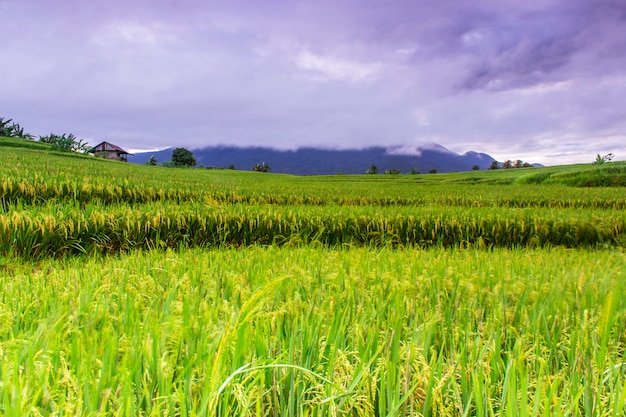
point(543, 82)
point(326, 68)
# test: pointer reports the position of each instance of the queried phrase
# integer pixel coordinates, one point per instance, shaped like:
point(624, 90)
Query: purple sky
point(542, 81)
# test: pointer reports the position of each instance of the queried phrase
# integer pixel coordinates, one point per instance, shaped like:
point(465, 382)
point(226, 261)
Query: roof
point(106, 146)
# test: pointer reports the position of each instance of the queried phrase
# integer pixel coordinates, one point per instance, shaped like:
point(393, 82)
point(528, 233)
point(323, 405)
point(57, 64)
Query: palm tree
point(65, 142)
point(5, 128)
point(13, 130)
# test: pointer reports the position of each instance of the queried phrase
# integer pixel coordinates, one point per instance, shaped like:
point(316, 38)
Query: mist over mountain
point(312, 161)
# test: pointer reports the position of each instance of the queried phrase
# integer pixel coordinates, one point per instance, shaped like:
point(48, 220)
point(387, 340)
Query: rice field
point(133, 290)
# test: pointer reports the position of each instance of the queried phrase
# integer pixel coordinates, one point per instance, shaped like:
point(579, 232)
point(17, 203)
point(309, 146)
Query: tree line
point(65, 142)
point(508, 164)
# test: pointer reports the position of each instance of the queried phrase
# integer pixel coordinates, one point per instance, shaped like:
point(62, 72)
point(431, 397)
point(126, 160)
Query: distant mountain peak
point(416, 150)
point(477, 155)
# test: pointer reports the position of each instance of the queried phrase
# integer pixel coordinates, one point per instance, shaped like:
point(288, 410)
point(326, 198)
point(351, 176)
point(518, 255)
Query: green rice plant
point(313, 331)
point(59, 230)
point(35, 177)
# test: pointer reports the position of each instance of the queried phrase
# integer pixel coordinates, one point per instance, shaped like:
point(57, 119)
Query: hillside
point(310, 161)
point(134, 289)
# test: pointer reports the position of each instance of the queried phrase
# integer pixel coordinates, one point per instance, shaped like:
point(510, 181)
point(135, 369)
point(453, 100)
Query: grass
point(136, 290)
point(9, 142)
point(61, 230)
point(313, 331)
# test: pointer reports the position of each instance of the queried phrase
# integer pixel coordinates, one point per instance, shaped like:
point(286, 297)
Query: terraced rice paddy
point(131, 290)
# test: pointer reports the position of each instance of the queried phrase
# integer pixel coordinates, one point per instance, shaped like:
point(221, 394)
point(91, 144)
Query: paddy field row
point(314, 331)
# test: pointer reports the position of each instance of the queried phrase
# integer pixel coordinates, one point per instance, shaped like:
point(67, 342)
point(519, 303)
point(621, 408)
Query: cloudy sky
point(538, 80)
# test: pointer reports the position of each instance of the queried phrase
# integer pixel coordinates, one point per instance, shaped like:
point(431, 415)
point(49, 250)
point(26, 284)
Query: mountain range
point(313, 161)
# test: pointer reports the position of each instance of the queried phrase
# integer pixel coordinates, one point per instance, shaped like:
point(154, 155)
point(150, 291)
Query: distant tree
point(507, 164)
point(392, 172)
point(518, 163)
point(263, 167)
point(373, 169)
point(5, 127)
point(66, 143)
point(526, 165)
point(9, 129)
point(432, 171)
point(182, 157)
point(48, 139)
point(602, 159)
point(414, 171)
point(231, 166)
point(151, 161)
point(494, 165)
point(475, 168)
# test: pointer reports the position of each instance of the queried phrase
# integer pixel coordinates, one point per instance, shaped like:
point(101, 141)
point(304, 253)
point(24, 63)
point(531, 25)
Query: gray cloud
point(541, 81)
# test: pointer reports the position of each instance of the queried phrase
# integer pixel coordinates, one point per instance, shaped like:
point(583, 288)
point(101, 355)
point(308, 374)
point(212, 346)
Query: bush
point(263, 167)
